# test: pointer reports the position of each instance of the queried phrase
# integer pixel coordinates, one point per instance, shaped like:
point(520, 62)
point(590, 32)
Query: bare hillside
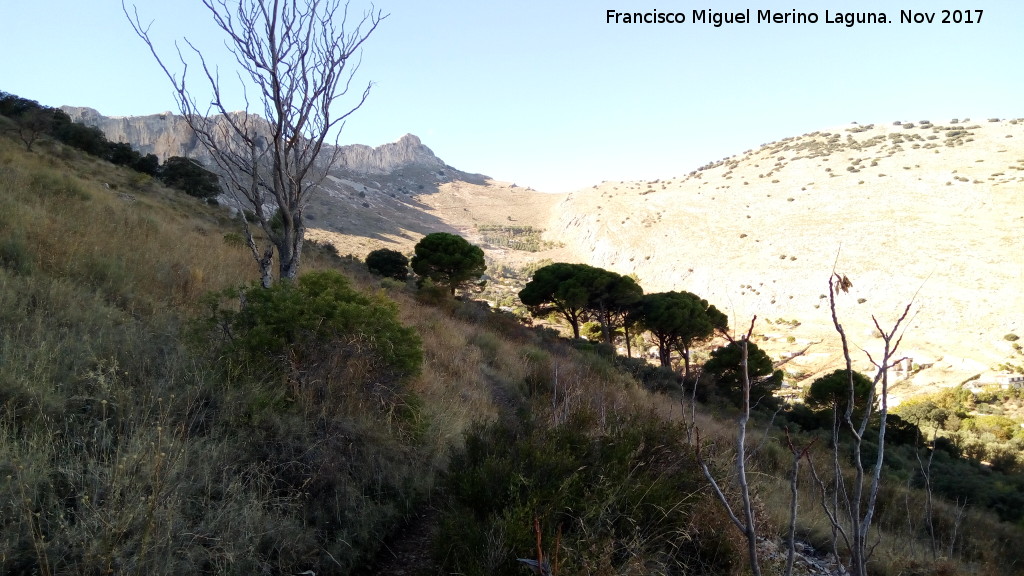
point(917, 210)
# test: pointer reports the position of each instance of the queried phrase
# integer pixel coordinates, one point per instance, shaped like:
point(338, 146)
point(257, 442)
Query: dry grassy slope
point(908, 211)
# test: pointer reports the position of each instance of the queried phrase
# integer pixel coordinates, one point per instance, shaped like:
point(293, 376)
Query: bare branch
point(859, 510)
point(300, 59)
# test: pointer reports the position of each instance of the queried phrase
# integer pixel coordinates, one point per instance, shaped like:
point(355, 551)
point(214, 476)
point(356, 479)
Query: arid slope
point(922, 211)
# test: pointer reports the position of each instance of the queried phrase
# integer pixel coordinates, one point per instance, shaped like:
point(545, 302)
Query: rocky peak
point(389, 157)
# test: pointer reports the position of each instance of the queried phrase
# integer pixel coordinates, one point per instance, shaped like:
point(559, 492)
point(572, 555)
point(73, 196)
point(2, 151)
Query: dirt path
point(408, 552)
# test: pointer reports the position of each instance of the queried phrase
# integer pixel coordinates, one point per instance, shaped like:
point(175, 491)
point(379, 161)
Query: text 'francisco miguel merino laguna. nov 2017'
point(748, 16)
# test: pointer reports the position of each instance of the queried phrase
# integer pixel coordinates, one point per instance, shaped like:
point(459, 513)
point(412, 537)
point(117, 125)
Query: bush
point(316, 333)
point(651, 377)
point(388, 263)
point(189, 176)
point(614, 501)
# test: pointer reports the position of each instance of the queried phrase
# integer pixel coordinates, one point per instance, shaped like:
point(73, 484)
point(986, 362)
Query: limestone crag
point(387, 158)
point(168, 134)
point(164, 135)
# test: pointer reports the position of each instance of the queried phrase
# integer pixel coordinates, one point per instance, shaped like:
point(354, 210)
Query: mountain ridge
point(167, 134)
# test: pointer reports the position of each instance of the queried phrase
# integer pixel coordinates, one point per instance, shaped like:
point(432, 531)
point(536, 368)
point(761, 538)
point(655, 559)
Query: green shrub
point(14, 255)
point(651, 377)
point(627, 497)
point(723, 375)
point(388, 263)
point(317, 329)
point(189, 176)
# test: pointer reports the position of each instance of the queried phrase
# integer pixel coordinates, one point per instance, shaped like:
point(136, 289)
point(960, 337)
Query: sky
point(550, 95)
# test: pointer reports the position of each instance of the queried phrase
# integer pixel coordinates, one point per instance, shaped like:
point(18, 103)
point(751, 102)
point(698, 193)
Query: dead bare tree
point(852, 508)
point(300, 56)
point(798, 453)
point(748, 524)
point(926, 475)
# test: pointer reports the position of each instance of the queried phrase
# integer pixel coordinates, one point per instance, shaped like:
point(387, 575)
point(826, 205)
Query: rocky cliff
point(387, 158)
point(167, 135)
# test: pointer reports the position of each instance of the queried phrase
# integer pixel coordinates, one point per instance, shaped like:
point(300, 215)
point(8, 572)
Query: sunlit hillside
point(929, 212)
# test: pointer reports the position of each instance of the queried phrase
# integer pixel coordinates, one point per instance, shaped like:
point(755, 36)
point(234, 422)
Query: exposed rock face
point(167, 135)
point(389, 157)
point(164, 135)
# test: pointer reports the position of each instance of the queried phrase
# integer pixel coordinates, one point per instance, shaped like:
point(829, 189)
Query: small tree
point(850, 506)
point(725, 370)
point(189, 176)
point(148, 164)
point(678, 321)
point(560, 288)
point(579, 293)
point(612, 296)
point(32, 124)
point(122, 154)
point(388, 263)
point(833, 391)
point(740, 366)
point(449, 260)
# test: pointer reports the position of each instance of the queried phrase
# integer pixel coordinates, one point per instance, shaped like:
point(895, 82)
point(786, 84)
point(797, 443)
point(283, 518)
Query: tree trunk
point(625, 332)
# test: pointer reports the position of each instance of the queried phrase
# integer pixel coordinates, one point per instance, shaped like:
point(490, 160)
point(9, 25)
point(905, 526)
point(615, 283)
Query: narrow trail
point(409, 551)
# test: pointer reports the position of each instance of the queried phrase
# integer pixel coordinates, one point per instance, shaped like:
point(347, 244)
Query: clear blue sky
point(548, 95)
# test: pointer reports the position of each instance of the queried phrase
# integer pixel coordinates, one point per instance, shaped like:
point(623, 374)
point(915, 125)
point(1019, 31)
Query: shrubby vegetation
point(525, 238)
point(311, 333)
point(274, 438)
point(388, 263)
point(33, 121)
point(620, 501)
point(162, 414)
point(189, 176)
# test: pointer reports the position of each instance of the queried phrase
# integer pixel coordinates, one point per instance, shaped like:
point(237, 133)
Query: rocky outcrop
point(164, 135)
point(167, 135)
point(387, 158)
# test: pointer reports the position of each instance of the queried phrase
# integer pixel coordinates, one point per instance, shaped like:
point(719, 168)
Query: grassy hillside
point(133, 442)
